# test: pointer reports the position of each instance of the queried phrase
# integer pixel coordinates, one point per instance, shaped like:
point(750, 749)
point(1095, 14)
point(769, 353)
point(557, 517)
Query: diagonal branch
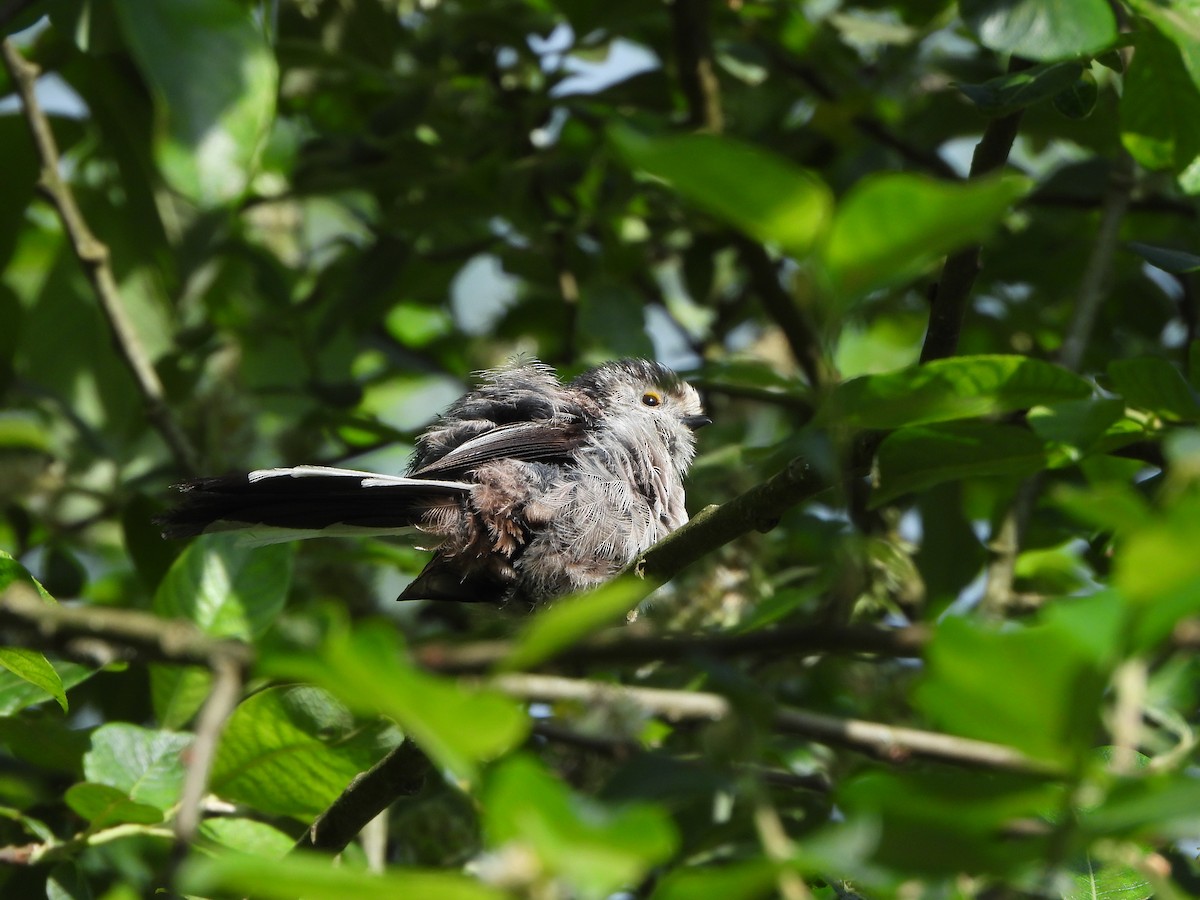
point(94, 257)
point(758, 509)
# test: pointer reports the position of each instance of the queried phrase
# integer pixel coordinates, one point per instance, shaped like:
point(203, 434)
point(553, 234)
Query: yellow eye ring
point(651, 398)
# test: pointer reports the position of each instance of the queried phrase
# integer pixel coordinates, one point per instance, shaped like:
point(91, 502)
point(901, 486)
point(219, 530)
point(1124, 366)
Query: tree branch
point(94, 257)
point(619, 646)
point(757, 509)
point(886, 742)
point(949, 306)
point(693, 55)
point(399, 774)
point(101, 635)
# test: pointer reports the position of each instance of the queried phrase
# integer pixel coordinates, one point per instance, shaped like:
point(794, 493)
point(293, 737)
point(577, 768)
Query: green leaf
point(29, 666)
point(1112, 881)
point(247, 836)
point(597, 850)
point(1079, 99)
point(1053, 674)
point(1017, 90)
point(292, 750)
point(1041, 30)
point(946, 821)
point(1157, 569)
point(1177, 262)
point(1078, 424)
point(322, 878)
point(1155, 385)
point(759, 193)
point(746, 880)
point(227, 588)
point(571, 619)
point(890, 227)
point(33, 667)
point(20, 431)
point(1167, 805)
point(957, 388)
point(915, 458)
point(214, 81)
point(1112, 506)
point(146, 765)
point(17, 693)
point(456, 725)
point(1160, 106)
point(103, 806)
point(1180, 24)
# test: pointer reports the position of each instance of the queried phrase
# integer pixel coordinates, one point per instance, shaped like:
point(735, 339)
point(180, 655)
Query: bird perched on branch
point(531, 488)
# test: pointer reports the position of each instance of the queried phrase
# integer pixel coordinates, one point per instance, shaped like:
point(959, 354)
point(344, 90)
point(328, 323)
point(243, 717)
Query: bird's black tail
point(307, 501)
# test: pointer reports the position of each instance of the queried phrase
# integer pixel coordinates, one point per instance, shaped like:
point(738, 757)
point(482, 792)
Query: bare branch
point(99, 634)
point(94, 257)
point(886, 742)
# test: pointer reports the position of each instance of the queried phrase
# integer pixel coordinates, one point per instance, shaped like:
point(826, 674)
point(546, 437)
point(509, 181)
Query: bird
point(530, 488)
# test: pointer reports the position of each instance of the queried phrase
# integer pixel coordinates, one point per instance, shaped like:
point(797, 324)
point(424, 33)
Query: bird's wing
point(528, 441)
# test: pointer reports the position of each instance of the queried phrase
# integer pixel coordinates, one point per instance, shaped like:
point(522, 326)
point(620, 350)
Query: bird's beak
point(694, 422)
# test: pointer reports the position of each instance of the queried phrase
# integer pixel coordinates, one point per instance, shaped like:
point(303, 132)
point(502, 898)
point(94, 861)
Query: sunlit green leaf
point(103, 806)
point(293, 750)
point(595, 849)
point(458, 726)
point(763, 195)
point(214, 80)
point(147, 765)
point(890, 227)
point(957, 388)
point(1160, 106)
point(570, 620)
point(322, 878)
point(228, 589)
point(1053, 675)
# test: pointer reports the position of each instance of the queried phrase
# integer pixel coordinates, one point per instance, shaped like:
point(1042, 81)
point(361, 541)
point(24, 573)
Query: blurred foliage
point(323, 215)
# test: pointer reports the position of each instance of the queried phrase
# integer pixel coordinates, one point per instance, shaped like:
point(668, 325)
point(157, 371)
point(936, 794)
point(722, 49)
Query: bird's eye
point(651, 398)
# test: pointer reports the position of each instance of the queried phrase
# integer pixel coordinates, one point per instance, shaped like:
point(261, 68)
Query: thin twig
point(949, 305)
point(887, 742)
point(620, 646)
point(94, 257)
point(222, 698)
